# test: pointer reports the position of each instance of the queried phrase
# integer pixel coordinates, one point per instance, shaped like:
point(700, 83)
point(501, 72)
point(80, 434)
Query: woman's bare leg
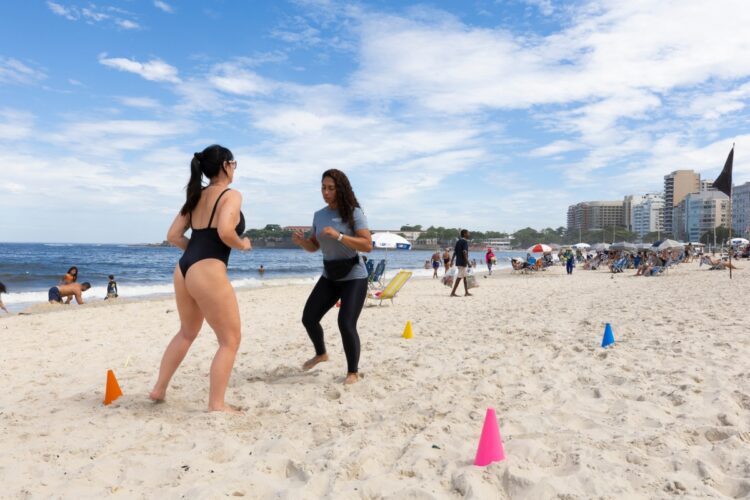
point(191, 320)
point(212, 291)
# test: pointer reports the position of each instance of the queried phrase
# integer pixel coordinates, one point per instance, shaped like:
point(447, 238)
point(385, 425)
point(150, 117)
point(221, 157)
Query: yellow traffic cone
point(407, 331)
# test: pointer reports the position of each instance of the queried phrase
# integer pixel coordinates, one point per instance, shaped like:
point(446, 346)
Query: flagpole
point(731, 250)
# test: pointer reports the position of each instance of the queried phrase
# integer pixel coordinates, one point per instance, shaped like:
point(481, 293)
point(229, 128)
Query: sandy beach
point(664, 412)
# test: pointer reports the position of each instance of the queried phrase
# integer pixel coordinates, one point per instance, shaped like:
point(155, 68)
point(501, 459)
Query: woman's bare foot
point(227, 409)
point(310, 363)
point(157, 395)
point(351, 378)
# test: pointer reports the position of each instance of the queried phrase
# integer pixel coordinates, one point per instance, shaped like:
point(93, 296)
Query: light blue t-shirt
point(333, 249)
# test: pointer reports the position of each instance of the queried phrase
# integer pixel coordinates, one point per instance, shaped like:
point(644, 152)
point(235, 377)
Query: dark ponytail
point(208, 162)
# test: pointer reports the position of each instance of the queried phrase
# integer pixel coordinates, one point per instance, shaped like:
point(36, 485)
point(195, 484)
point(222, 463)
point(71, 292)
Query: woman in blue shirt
point(340, 232)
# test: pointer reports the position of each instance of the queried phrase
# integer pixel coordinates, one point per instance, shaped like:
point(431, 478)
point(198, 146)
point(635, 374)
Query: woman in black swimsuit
point(202, 287)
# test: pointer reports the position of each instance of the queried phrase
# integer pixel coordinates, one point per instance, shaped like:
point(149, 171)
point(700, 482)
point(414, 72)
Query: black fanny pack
point(339, 268)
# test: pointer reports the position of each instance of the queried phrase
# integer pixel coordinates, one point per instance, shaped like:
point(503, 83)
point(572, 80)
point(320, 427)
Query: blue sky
point(481, 114)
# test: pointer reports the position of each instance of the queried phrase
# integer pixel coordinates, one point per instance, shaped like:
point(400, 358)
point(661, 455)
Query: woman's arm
point(361, 241)
point(229, 217)
point(176, 233)
point(309, 244)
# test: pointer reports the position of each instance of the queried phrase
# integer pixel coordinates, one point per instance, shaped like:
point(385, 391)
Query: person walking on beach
point(569, 261)
point(2, 291)
point(461, 258)
point(56, 293)
point(447, 260)
point(201, 284)
point(435, 263)
point(340, 231)
point(489, 259)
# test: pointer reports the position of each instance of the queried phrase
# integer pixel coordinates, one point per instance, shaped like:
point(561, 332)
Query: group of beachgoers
point(202, 288)
point(68, 289)
point(646, 262)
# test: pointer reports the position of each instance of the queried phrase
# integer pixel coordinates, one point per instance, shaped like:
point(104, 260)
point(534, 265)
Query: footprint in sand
point(333, 394)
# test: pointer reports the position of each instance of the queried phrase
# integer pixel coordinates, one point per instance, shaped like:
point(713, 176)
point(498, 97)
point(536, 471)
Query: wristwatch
point(341, 237)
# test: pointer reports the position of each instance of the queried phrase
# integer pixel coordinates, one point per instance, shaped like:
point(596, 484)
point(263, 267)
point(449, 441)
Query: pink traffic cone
point(490, 444)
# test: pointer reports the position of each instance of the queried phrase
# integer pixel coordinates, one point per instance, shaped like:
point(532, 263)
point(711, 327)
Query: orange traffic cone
point(113, 388)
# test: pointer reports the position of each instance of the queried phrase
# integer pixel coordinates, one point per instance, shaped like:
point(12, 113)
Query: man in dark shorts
point(461, 257)
point(56, 293)
point(435, 263)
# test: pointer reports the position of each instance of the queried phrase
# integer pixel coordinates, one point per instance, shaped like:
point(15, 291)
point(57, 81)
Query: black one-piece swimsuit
point(206, 244)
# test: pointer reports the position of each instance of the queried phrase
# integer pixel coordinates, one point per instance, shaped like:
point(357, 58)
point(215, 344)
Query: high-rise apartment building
point(629, 204)
point(741, 209)
point(677, 185)
point(590, 215)
point(648, 214)
point(701, 213)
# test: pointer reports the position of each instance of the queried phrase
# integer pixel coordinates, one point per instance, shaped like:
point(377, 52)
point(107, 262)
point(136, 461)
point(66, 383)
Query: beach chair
point(370, 267)
point(374, 279)
point(391, 289)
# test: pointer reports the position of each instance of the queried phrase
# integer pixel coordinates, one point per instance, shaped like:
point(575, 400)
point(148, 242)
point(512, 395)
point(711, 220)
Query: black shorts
point(54, 294)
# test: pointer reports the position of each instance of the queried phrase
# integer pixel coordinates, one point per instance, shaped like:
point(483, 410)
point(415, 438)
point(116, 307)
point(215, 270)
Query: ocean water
point(28, 270)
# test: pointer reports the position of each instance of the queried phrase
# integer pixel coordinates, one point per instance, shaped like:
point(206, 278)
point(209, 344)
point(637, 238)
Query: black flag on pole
point(724, 181)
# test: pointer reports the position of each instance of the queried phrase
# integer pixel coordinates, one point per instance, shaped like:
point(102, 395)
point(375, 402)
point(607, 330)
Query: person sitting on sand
point(56, 293)
point(717, 263)
point(2, 291)
point(70, 277)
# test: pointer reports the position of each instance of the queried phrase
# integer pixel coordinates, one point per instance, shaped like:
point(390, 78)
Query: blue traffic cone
point(609, 337)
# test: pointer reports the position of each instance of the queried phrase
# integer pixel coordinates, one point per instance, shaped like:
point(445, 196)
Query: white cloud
point(15, 125)
point(555, 148)
point(154, 70)
point(127, 24)
point(140, 102)
point(163, 6)
point(235, 80)
point(14, 71)
point(94, 14)
point(544, 6)
point(61, 10)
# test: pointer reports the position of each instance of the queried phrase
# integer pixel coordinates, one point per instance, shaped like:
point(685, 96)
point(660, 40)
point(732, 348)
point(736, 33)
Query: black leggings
point(323, 297)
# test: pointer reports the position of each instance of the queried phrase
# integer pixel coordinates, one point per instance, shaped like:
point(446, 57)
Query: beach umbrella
point(738, 241)
point(601, 247)
point(581, 246)
point(623, 245)
point(539, 248)
point(669, 244)
point(390, 241)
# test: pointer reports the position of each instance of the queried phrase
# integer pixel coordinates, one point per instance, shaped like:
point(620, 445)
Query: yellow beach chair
point(391, 289)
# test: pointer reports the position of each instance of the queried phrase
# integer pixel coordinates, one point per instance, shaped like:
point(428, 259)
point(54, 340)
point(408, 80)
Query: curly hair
point(345, 198)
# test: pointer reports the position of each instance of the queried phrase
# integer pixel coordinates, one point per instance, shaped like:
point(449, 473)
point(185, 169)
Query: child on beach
point(111, 288)
point(2, 291)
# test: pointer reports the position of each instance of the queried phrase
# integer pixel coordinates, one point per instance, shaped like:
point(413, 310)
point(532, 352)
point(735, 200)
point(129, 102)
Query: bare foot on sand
point(227, 409)
point(310, 363)
point(157, 395)
point(467, 294)
point(351, 378)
